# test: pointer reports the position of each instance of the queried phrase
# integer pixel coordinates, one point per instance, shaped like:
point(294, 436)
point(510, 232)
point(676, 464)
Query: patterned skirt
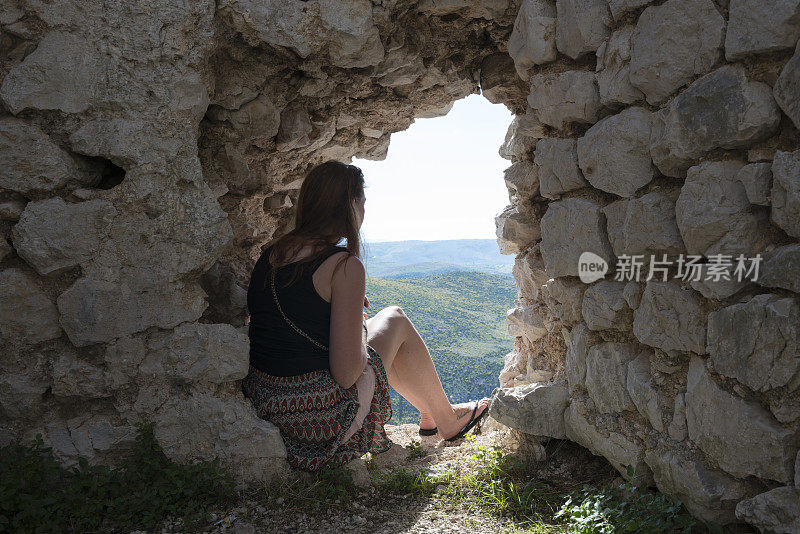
point(314, 413)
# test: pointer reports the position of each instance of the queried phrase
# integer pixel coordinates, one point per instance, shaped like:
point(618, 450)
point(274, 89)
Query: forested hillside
point(403, 259)
point(461, 317)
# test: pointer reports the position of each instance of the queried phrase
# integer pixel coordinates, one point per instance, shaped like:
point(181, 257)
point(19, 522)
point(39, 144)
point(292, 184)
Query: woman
point(318, 369)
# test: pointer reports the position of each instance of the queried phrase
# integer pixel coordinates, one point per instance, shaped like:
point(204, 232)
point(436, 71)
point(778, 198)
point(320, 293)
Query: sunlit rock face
point(150, 149)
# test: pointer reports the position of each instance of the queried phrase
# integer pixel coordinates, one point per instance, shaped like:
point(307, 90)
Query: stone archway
point(150, 149)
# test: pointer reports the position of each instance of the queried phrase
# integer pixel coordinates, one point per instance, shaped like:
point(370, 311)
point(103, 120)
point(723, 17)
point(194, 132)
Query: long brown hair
point(324, 215)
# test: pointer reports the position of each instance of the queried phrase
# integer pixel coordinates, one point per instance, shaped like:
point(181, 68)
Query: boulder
point(614, 154)
point(739, 435)
point(122, 358)
point(566, 97)
point(603, 440)
point(644, 226)
point(11, 210)
point(757, 181)
point(570, 227)
point(27, 315)
point(672, 44)
point(642, 390)
point(786, 191)
point(73, 377)
point(787, 87)
point(707, 493)
point(515, 231)
point(777, 510)
point(526, 321)
point(756, 27)
point(522, 181)
point(563, 297)
point(559, 173)
point(779, 268)
point(536, 409)
point(720, 110)
point(714, 214)
point(606, 375)
point(21, 395)
point(677, 427)
point(581, 26)
point(575, 359)
point(345, 33)
point(86, 436)
point(756, 342)
point(98, 311)
point(31, 162)
point(604, 306)
point(53, 236)
point(719, 279)
point(533, 39)
point(613, 70)
point(620, 7)
point(670, 318)
point(521, 137)
point(529, 273)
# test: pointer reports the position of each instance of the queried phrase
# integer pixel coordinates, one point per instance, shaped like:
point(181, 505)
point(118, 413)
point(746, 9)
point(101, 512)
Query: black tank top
point(275, 347)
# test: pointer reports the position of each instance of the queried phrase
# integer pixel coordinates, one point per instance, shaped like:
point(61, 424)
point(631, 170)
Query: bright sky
point(442, 178)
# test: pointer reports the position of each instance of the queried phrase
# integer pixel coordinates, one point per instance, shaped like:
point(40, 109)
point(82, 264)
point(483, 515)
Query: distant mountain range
point(411, 259)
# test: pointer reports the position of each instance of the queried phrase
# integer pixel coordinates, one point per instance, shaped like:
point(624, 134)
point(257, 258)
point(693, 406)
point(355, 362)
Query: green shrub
point(624, 508)
point(37, 494)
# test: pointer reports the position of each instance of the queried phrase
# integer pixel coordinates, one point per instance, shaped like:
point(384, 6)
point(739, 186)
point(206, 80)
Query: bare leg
point(411, 371)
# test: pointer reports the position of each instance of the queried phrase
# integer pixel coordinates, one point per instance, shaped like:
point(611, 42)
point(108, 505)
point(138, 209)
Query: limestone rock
point(521, 137)
point(515, 231)
point(522, 181)
point(122, 359)
point(581, 26)
point(526, 321)
point(720, 280)
point(294, 128)
point(558, 167)
point(515, 363)
point(670, 318)
point(707, 493)
point(570, 227)
point(11, 210)
point(52, 235)
point(714, 214)
point(566, 97)
point(632, 292)
point(202, 427)
point(30, 161)
point(64, 73)
point(87, 437)
point(677, 428)
point(563, 297)
point(777, 510)
point(779, 268)
point(620, 7)
point(73, 377)
point(5, 249)
point(27, 315)
point(575, 360)
point(21, 395)
point(604, 307)
point(613, 70)
point(486, 9)
point(614, 446)
point(726, 428)
point(642, 391)
point(529, 273)
point(788, 86)
point(95, 311)
point(614, 154)
point(756, 342)
point(533, 39)
point(345, 33)
point(786, 191)
point(537, 409)
point(757, 181)
point(644, 226)
point(720, 110)
point(757, 27)
point(673, 43)
point(606, 375)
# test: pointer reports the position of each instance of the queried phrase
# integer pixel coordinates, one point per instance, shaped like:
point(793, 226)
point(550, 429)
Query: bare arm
point(348, 357)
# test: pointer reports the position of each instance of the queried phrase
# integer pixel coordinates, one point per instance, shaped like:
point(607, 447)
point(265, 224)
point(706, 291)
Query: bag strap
point(290, 323)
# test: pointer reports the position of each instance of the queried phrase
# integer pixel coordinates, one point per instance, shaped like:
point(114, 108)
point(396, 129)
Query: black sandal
point(473, 421)
point(428, 431)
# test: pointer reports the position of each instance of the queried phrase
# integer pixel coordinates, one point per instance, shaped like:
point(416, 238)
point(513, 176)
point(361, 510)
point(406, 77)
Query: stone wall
point(672, 132)
point(149, 149)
